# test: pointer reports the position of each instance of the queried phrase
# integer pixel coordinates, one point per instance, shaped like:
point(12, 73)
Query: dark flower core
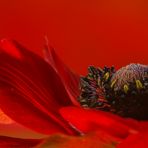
point(123, 92)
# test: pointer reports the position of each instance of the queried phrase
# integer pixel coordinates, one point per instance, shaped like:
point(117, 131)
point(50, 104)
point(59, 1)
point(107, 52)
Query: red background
point(83, 32)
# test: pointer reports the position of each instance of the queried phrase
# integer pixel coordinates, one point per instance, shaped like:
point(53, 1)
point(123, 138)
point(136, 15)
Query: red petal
point(10, 49)
point(31, 91)
point(144, 125)
point(8, 142)
point(10, 128)
point(4, 119)
point(69, 78)
point(139, 140)
point(91, 120)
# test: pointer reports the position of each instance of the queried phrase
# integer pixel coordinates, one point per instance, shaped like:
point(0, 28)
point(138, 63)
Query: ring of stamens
point(93, 87)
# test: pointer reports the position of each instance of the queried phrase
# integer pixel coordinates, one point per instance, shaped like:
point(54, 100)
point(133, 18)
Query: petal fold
point(68, 77)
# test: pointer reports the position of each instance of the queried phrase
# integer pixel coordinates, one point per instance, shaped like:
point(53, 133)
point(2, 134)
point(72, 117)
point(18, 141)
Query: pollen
point(113, 83)
point(106, 76)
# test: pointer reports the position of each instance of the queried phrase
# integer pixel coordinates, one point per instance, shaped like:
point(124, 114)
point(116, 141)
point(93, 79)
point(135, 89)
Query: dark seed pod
point(130, 91)
point(123, 92)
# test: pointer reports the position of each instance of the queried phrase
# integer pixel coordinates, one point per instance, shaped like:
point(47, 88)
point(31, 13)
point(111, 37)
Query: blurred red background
point(83, 32)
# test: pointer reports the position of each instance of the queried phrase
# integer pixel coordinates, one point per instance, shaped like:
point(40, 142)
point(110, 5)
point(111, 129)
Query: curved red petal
point(9, 142)
point(31, 91)
point(91, 120)
point(69, 78)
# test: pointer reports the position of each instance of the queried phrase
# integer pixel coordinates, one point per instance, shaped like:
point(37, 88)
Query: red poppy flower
point(42, 96)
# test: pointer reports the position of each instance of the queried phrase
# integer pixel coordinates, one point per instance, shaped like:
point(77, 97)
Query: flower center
point(123, 92)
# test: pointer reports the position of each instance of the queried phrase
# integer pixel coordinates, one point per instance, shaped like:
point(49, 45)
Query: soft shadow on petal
point(68, 77)
point(8, 142)
point(31, 91)
point(96, 139)
point(90, 120)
